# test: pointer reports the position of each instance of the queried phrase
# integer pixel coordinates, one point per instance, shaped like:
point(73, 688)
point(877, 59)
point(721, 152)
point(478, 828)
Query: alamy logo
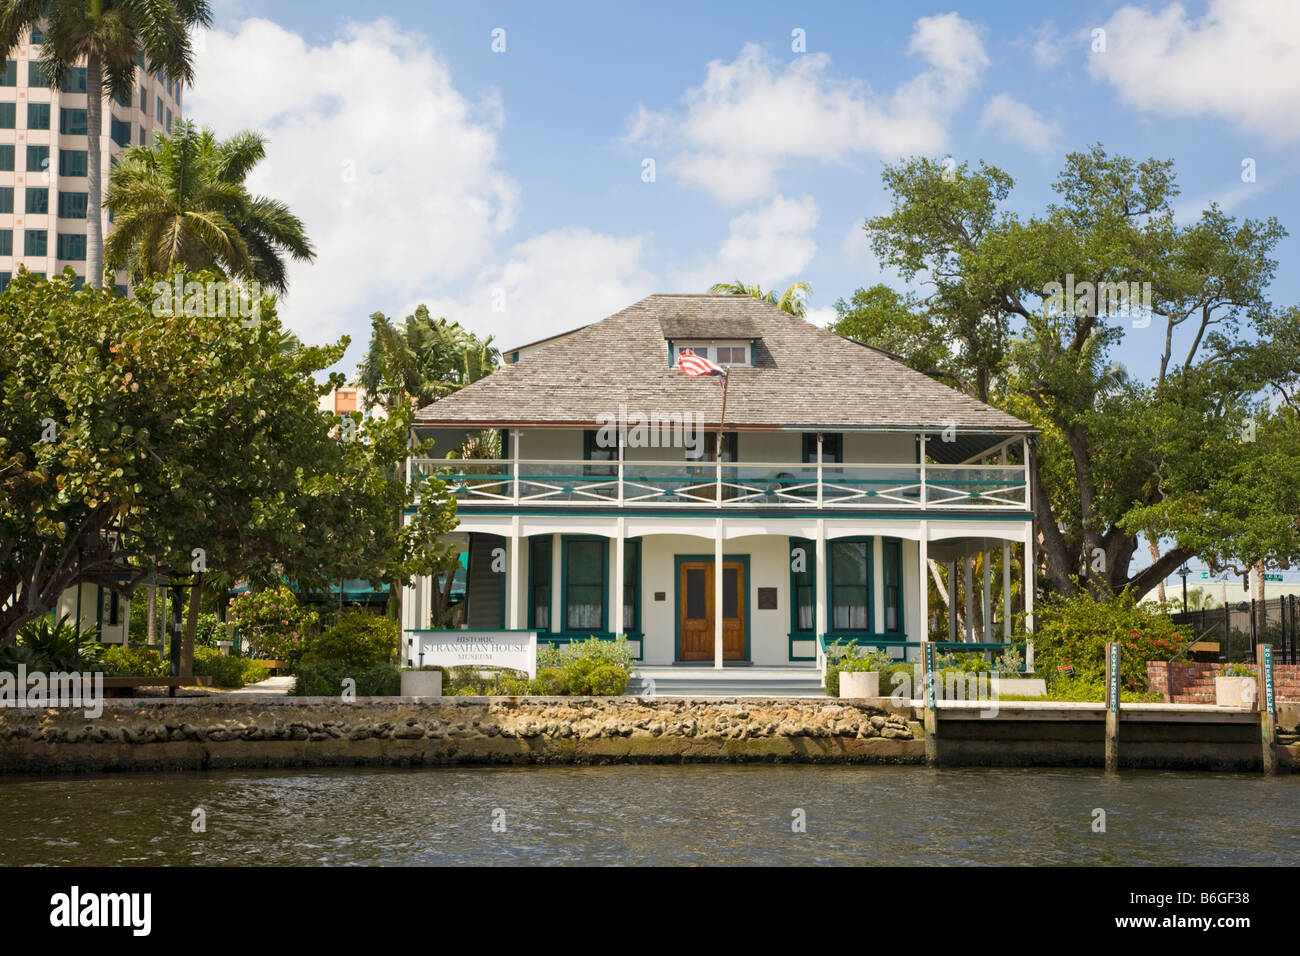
point(1132, 299)
point(74, 908)
point(654, 430)
point(214, 300)
point(59, 689)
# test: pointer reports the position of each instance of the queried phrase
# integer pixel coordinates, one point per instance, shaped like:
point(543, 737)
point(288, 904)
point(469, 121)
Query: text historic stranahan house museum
point(844, 480)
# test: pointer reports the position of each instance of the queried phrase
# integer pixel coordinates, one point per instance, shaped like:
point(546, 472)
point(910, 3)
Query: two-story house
point(841, 480)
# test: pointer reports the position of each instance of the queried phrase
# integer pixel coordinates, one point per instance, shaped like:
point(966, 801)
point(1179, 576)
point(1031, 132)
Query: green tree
point(421, 360)
point(1197, 454)
point(190, 446)
point(793, 300)
point(182, 202)
point(108, 36)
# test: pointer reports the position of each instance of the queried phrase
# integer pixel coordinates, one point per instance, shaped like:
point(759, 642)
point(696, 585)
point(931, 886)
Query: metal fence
point(1242, 626)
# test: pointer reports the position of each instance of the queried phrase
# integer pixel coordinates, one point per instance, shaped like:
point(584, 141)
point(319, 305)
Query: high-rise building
point(43, 156)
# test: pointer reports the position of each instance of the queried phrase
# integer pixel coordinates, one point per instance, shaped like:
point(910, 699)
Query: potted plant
point(423, 681)
point(1009, 677)
point(1234, 686)
point(859, 676)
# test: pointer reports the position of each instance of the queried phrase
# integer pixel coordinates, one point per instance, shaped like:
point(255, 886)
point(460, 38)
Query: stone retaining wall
point(210, 732)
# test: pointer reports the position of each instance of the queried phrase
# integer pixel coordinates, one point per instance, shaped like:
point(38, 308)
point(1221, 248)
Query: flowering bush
point(1072, 633)
point(272, 623)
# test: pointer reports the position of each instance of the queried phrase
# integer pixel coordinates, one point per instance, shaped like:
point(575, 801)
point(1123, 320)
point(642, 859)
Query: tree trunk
point(1155, 556)
point(94, 171)
point(151, 618)
point(191, 626)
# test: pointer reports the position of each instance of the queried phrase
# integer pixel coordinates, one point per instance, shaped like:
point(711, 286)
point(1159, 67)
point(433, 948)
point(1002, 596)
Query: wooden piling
point(1267, 706)
point(928, 695)
point(1112, 705)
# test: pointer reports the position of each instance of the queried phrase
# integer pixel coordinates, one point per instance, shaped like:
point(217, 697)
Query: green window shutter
point(631, 587)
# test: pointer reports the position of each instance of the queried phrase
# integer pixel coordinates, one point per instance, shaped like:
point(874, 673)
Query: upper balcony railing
point(732, 485)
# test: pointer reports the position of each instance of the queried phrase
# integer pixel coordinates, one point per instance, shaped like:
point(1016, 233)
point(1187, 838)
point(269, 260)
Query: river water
point(652, 814)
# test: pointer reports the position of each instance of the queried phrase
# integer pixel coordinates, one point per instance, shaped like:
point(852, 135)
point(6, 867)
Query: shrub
point(121, 660)
point(550, 682)
point(607, 681)
point(225, 670)
point(1237, 670)
point(208, 630)
point(325, 679)
point(47, 645)
point(253, 671)
point(1072, 633)
point(358, 638)
point(273, 624)
point(614, 652)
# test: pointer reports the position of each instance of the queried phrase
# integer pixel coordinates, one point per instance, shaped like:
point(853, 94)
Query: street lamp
point(1183, 572)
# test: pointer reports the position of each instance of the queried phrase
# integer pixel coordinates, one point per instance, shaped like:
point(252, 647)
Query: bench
point(114, 686)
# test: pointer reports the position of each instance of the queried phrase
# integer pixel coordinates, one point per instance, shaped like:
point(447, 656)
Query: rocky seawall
point(212, 733)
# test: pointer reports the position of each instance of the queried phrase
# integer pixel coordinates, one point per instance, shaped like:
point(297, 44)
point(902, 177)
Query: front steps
point(692, 681)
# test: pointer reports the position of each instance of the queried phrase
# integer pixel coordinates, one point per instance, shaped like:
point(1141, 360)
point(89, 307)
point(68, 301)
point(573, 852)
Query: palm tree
point(108, 36)
point(422, 360)
point(182, 202)
point(793, 300)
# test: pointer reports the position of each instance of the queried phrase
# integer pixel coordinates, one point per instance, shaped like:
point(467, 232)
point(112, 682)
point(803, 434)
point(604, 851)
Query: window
point(6, 276)
point(9, 75)
point(144, 101)
point(72, 245)
point(72, 162)
point(593, 450)
point(892, 555)
point(38, 115)
point(72, 121)
point(585, 564)
point(38, 159)
point(169, 89)
point(139, 60)
point(36, 75)
point(123, 99)
point(832, 447)
point(6, 199)
point(539, 588)
point(803, 583)
point(159, 104)
point(850, 584)
point(8, 115)
point(120, 132)
point(35, 242)
point(6, 245)
point(631, 587)
point(38, 200)
point(731, 355)
point(72, 205)
point(141, 141)
point(7, 157)
point(707, 449)
point(78, 282)
point(38, 36)
point(74, 79)
point(169, 121)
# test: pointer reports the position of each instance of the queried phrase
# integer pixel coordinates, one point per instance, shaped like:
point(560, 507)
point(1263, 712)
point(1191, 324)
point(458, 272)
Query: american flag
point(693, 364)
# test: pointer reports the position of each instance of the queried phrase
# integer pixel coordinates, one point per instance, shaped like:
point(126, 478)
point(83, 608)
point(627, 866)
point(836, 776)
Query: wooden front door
point(698, 607)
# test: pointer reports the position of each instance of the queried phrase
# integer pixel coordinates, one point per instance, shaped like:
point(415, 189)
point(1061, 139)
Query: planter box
point(1020, 686)
point(1235, 692)
point(421, 683)
point(859, 683)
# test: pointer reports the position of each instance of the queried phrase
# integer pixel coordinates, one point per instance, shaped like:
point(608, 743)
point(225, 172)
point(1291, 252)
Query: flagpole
point(723, 420)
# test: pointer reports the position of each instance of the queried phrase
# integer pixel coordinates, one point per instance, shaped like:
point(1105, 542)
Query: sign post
point(1267, 706)
point(1112, 705)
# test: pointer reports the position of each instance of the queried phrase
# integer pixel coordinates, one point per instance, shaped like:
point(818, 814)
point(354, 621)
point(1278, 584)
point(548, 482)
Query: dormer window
point(724, 353)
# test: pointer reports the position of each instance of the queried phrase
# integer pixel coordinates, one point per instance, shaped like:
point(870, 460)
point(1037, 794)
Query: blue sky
point(429, 168)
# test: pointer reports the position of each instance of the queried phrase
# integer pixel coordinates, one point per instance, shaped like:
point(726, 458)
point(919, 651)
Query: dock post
point(1112, 705)
point(928, 695)
point(1267, 706)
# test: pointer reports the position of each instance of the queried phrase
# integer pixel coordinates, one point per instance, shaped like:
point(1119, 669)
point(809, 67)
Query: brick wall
point(1187, 682)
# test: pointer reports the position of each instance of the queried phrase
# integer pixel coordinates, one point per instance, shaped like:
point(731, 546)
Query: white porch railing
point(739, 485)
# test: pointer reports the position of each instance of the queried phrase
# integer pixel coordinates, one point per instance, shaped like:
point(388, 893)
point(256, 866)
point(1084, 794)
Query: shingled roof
point(802, 376)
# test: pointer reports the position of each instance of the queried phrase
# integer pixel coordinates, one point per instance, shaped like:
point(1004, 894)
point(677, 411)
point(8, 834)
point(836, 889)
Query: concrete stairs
point(691, 681)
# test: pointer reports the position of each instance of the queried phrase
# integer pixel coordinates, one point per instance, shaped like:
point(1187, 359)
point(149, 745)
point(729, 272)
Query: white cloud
point(1045, 44)
point(1237, 62)
point(823, 316)
point(1018, 121)
point(751, 117)
point(771, 244)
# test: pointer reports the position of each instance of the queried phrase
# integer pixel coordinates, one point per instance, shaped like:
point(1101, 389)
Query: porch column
point(514, 464)
point(425, 604)
point(717, 593)
point(988, 596)
point(1029, 576)
point(970, 598)
point(1006, 577)
point(952, 600)
point(819, 550)
point(923, 568)
point(557, 594)
point(616, 582)
point(512, 581)
point(878, 584)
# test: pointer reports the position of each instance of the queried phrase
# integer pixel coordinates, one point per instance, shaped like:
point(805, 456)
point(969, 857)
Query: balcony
point(739, 485)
